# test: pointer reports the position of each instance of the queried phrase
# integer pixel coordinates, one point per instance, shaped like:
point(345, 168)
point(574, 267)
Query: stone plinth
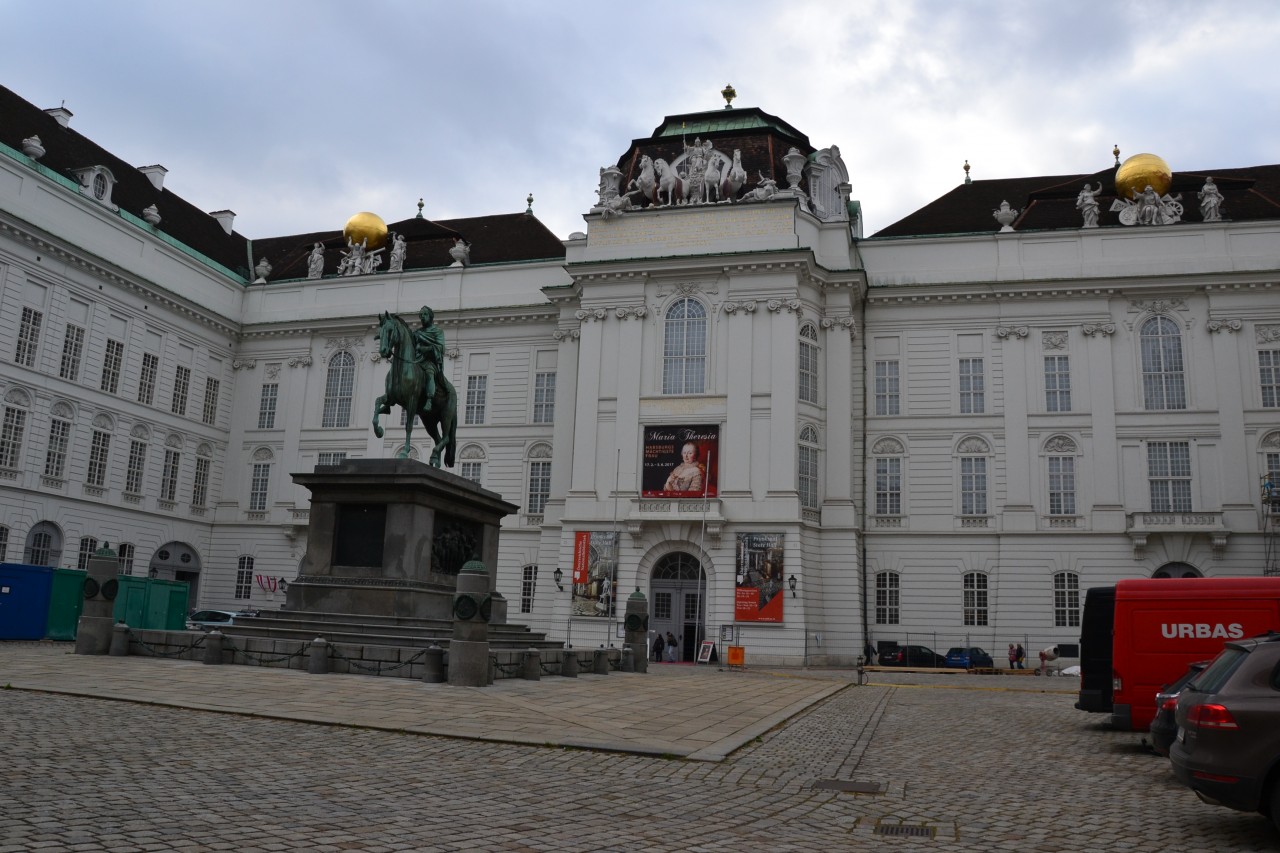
point(636, 626)
point(94, 630)
point(389, 537)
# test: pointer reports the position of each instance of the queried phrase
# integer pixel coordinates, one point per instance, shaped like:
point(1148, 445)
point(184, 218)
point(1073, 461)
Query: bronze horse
point(406, 387)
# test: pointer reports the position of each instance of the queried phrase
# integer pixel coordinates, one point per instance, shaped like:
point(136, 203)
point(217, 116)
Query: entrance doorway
point(177, 561)
point(677, 592)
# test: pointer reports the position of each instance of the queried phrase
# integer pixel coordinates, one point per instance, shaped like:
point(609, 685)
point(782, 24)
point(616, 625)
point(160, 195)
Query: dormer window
point(96, 182)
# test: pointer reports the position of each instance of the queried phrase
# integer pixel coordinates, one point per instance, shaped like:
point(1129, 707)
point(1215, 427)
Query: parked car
point(1164, 727)
point(205, 620)
point(1227, 748)
point(970, 657)
point(911, 656)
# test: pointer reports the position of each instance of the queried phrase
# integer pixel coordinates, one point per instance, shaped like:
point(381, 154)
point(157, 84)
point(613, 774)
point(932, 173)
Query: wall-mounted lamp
point(558, 576)
point(791, 582)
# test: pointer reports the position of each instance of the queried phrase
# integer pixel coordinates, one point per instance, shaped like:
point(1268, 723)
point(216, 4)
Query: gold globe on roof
point(368, 227)
point(1141, 171)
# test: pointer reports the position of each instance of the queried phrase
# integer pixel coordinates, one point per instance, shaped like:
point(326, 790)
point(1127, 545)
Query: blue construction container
point(24, 601)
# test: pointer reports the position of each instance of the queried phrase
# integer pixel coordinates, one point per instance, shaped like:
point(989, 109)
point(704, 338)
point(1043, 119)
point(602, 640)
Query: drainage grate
point(849, 786)
point(902, 829)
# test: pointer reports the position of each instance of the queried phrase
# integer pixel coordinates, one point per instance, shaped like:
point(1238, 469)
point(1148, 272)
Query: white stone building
point(943, 432)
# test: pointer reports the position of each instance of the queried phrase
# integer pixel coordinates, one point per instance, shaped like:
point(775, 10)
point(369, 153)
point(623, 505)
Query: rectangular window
point(661, 605)
point(87, 546)
point(889, 486)
point(1057, 383)
point(477, 391)
point(808, 372)
point(169, 475)
point(200, 487)
point(539, 487)
point(973, 485)
point(972, 389)
point(28, 337)
point(691, 611)
point(1062, 485)
point(1066, 600)
point(244, 577)
point(15, 424)
point(72, 351)
point(267, 406)
point(210, 410)
point(528, 586)
point(258, 486)
point(975, 599)
point(147, 378)
point(55, 458)
point(1269, 373)
point(887, 387)
point(887, 607)
point(124, 558)
point(331, 457)
point(99, 448)
point(808, 477)
point(544, 398)
point(472, 471)
point(181, 385)
point(137, 463)
point(1169, 473)
point(111, 361)
point(4, 543)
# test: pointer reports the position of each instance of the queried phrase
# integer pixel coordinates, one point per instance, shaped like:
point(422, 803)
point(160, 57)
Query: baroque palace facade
point(787, 435)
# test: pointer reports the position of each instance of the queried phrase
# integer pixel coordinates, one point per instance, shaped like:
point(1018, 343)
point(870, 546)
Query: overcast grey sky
point(298, 113)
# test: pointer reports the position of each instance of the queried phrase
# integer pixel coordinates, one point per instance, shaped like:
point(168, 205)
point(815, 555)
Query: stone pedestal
point(469, 648)
point(389, 537)
point(94, 630)
point(636, 625)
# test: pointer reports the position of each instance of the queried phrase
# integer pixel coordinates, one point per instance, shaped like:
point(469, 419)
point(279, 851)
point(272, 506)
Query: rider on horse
point(428, 344)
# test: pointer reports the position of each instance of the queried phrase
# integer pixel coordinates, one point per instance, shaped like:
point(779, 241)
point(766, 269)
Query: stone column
point(93, 631)
point(469, 648)
point(636, 623)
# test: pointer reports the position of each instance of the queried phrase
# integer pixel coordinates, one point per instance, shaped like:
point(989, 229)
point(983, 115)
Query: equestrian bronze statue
point(416, 382)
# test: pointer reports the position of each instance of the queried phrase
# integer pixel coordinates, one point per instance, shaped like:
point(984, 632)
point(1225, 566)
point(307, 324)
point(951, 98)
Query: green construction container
point(152, 604)
point(66, 601)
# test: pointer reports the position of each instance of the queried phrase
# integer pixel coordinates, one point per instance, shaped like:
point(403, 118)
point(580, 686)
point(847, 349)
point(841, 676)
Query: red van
point(1160, 626)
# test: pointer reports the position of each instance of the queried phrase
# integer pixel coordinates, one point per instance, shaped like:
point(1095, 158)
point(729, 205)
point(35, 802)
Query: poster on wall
point(595, 572)
point(680, 461)
point(757, 596)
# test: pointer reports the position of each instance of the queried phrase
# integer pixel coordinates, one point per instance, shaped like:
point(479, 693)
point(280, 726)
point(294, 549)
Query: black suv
point(912, 656)
point(1227, 748)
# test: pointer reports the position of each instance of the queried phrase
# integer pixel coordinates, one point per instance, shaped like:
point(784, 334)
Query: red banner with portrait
point(757, 594)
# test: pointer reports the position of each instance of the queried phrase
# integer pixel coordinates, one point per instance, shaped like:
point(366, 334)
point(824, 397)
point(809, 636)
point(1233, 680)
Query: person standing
point(1022, 656)
point(658, 645)
point(671, 647)
point(1013, 657)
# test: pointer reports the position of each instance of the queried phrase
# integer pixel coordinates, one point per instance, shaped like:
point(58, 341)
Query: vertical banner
point(595, 573)
point(680, 461)
point(758, 597)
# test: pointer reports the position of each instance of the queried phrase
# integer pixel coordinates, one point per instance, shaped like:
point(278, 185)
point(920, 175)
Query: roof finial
point(967, 179)
point(1116, 151)
point(728, 93)
point(529, 201)
point(420, 208)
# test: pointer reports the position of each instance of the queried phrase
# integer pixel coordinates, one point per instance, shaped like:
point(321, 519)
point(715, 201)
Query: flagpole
point(617, 555)
point(702, 549)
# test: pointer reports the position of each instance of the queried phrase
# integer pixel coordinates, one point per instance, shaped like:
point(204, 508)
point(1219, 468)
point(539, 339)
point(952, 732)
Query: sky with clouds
point(298, 113)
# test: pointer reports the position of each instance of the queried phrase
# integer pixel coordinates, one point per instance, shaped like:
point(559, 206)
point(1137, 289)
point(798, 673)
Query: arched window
point(539, 479)
point(1163, 382)
point(975, 598)
point(1177, 570)
point(44, 545)
point(14, 428)
point(887, 605)
point(677, 566)
point(808, 364)
point(807, 468)
point(888, 454)
point(973, 458)
point(338, 388)
point(684, 349)
point(1066, 600)
point(471, 461)
point(528, 586)
point(260, 479)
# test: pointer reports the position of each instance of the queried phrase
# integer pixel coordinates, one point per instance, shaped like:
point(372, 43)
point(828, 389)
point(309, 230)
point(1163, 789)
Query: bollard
point(119, 640)
point(213, 648)
point(600, 662)
point(569, 664)
point(628, 661)
point(433, 665)
point(318, 660)
point(532, 665)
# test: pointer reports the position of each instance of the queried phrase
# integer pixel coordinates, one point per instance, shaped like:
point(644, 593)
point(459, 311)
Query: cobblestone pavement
point(981, 763)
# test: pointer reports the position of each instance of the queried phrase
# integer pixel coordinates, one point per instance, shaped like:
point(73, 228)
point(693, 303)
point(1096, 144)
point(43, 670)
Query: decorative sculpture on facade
point(1149, 208)
point(610, 201)
point(1210, 201)
point(315, 261)
point(460, 251)
point(263, 269)
point(398, 250)
point(358, 260)
point(32, 148)
point(766, 189)
point(151, 214)
point(1087, 204)
point(1005, 215)
point(735, 178)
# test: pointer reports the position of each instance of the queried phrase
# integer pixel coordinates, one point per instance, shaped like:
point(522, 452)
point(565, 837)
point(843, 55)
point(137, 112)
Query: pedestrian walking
point(1013, 657)
point(1022, 656)
point(671, 647)
point(658, 645)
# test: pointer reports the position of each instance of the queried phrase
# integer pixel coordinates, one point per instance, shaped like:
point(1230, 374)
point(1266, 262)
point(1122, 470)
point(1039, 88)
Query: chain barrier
point(378, 667)
point(510, 670)
point(616, 667)
point(260, 658)
point(547, 670)
point(155, 652)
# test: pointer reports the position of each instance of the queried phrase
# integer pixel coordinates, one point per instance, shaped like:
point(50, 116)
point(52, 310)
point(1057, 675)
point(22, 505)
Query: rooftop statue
point(766, 189)
point(416, 382)
point(1149, 208)
point(398, 251)
point(1210, 201)
point(1087, 204)
point(315, 261)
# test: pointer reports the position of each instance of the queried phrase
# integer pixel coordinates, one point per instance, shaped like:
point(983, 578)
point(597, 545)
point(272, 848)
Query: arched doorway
point(1177, 570)
point(177, 561)
point(677, 592)
point(43, 546)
